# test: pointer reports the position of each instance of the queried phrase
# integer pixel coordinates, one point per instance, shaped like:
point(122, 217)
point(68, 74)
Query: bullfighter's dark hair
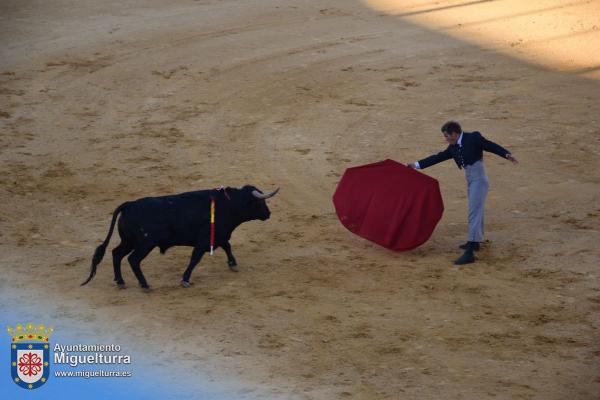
point(451, 127)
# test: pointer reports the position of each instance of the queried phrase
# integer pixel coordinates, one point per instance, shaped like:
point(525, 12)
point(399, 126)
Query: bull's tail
point(100, 250)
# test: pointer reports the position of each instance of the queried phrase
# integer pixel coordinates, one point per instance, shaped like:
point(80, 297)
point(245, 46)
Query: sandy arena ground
point(103, 102)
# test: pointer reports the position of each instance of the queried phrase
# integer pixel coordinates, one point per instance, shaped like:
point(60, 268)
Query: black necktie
point(461, 160)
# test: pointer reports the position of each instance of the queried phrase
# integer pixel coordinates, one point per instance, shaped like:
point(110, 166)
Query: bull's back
point(167, 220)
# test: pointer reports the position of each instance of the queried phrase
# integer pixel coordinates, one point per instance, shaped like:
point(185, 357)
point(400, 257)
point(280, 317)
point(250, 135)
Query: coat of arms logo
point(30, 355)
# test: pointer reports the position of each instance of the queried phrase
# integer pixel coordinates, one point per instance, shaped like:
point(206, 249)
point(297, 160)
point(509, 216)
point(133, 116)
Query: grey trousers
point(477, 188)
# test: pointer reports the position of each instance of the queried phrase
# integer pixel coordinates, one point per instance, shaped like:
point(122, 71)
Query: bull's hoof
point(121, 285)
point(232, 264)
point(186, 284)
point(147, 289)
point(234, 267)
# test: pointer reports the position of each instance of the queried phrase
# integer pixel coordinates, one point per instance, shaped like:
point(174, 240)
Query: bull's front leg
point(230, 258)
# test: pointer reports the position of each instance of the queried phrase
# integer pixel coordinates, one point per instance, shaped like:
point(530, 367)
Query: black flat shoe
point(466, 258)
point(472, 245)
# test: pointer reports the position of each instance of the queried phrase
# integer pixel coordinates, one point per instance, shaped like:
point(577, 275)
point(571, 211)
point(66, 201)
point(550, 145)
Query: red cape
point(389, 203)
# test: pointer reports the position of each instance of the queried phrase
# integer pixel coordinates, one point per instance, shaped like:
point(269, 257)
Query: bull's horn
point(263, 196)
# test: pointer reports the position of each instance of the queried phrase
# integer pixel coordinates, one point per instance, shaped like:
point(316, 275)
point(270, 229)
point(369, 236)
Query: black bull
point(180, 220)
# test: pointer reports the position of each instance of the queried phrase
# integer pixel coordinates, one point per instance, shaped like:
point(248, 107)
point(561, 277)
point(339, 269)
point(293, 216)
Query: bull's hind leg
point(119, 253)
point(135, 258)
point(196, 257)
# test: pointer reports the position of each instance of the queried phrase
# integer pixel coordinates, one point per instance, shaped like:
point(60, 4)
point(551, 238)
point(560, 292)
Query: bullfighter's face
point(451, 138)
